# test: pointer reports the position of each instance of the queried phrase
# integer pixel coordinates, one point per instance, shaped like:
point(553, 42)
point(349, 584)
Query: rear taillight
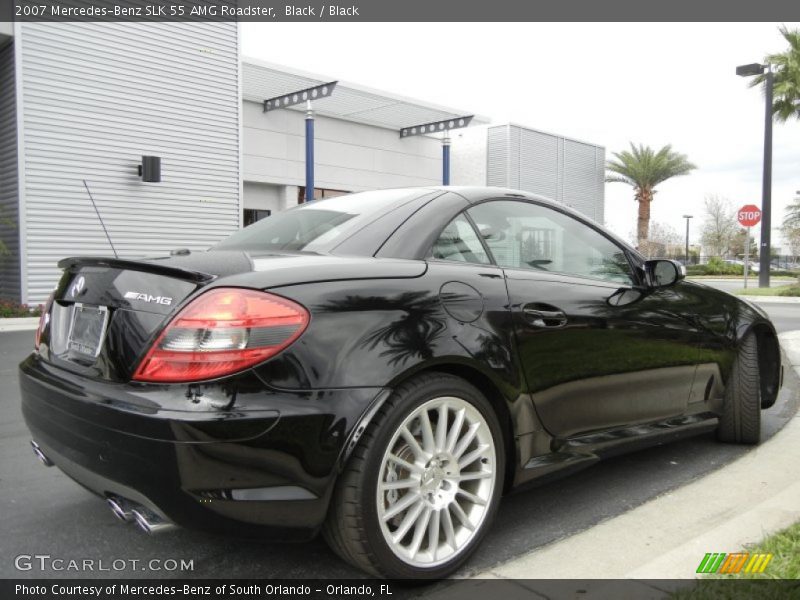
point(221, 332)
point(44, 319)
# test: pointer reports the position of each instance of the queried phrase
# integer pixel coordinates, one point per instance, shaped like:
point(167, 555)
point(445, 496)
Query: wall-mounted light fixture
point(150, 169)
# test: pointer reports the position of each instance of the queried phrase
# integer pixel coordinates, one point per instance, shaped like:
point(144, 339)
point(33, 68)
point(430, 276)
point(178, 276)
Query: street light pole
point(766, 188)
point(764, 258)
point(687, 217)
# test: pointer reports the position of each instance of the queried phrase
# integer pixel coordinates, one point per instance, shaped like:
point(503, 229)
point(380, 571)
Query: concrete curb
point(771, 299)
point(665, 538)
point(19, 324)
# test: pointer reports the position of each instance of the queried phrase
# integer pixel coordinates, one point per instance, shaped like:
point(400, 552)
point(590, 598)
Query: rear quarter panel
point(374, 333)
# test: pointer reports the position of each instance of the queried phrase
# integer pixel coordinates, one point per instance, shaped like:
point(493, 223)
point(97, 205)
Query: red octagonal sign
point(749, 215)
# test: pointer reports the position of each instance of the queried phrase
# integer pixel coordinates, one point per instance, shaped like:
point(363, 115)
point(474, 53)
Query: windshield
point(317, 225)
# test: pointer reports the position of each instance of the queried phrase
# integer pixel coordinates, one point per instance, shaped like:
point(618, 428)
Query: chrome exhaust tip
point(121, 508)
point(149, 522)
point(40, 455)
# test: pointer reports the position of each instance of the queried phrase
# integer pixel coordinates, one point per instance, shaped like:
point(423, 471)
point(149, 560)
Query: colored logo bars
point(737, 562)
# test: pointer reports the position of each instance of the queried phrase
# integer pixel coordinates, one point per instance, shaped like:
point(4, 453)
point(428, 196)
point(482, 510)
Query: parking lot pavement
point(44, 512)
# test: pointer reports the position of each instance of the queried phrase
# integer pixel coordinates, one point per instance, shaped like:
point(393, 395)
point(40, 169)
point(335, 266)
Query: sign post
point(748, 216)
point(746, 257)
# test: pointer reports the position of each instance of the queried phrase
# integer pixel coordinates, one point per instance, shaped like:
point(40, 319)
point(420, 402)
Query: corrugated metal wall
point(9, 264)
point(559, 168)
point(96, 97)
point(498, 148)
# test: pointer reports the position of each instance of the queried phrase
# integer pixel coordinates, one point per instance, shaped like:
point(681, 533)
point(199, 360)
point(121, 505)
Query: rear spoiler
point(135, 265)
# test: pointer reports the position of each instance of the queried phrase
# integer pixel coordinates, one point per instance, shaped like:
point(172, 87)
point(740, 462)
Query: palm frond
point(644, 168)
point(786, 77)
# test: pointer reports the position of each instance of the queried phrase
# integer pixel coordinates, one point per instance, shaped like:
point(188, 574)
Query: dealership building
point(84, 102)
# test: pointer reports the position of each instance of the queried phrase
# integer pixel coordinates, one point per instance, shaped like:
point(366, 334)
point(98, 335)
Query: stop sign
point(749, 215)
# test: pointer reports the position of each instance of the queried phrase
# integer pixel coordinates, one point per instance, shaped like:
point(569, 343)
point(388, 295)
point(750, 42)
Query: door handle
point(550, 317)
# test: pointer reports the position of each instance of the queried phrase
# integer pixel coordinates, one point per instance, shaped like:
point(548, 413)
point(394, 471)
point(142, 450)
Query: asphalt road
point(43, 512)
point(785, 317)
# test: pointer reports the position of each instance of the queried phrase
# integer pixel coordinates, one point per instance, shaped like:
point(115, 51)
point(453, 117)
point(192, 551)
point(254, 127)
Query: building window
point(319, 194)
point(251, 215)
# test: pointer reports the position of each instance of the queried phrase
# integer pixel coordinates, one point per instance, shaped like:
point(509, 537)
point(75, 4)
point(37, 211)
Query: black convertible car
point(381, 367)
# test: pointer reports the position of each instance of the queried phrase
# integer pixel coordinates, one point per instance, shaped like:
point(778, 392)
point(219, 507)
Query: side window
point(459, 242)
point(529, 236)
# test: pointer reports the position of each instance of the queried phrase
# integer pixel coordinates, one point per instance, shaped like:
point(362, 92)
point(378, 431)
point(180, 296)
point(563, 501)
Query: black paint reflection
point(412, 335)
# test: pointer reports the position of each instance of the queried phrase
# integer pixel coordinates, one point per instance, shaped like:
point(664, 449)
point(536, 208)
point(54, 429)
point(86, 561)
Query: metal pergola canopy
point(262, 81)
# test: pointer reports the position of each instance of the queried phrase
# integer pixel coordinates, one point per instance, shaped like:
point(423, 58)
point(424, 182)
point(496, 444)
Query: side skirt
point(576, 453)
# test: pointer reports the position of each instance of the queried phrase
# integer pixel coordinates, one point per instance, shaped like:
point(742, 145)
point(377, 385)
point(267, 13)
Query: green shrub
point(715, 266)
point(10, 308)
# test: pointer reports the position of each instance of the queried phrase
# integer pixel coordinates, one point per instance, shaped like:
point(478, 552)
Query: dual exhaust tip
point(125, 510)
point(145, 519)
point(41, 455)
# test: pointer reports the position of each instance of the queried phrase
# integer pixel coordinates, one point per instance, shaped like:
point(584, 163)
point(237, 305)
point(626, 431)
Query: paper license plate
point(87, 330)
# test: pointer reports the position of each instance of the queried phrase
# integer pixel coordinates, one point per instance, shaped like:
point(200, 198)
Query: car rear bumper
point(263, 465)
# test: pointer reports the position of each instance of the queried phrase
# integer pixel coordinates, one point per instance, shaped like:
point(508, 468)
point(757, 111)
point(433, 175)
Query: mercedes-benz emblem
point(77, 286)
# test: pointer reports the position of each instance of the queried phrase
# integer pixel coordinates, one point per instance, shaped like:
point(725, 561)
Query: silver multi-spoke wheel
point(436, 482)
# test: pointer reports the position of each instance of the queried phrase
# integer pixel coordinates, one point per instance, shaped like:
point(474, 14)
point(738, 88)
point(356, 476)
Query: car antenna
point(110, 243)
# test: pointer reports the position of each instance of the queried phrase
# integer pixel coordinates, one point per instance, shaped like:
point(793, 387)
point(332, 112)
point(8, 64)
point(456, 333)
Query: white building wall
point(348, 156)
point(95, 97)
point(262, 196)
point(468, 156)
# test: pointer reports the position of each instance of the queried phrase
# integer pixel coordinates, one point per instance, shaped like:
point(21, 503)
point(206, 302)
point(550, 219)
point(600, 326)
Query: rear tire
point(415, 500)
point(740, 421)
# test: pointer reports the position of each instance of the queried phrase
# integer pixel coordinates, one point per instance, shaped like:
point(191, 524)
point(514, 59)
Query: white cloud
point(605, 83)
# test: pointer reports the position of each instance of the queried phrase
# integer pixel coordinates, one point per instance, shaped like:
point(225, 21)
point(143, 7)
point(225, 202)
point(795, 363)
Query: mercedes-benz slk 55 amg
point(381, 368)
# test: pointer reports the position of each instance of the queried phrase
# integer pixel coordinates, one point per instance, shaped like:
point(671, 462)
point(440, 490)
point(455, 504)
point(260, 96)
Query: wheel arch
point(769, 361)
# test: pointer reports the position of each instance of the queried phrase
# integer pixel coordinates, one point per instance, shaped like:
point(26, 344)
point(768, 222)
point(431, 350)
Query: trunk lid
point(107, 312)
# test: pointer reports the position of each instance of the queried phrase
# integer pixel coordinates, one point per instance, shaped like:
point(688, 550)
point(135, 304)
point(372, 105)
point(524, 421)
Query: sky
point(609, 84)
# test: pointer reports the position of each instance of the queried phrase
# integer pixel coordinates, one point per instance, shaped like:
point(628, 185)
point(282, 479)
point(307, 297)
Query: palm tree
point(792, 218)
point(643, 169)
point(786, 78)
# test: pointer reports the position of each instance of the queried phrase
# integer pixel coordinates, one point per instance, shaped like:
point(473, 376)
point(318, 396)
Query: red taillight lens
point(44, 318)
point(221, 332)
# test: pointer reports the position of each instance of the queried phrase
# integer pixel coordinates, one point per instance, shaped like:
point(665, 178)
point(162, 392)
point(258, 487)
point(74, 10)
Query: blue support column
point(445, 160)
point(309, 153)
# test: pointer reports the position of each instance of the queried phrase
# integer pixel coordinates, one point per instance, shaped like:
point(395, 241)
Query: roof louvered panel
point(513, 157)
point(262, 81)
point(580, 177)
point(553, 166)
point(538, 163)
point(497, 156)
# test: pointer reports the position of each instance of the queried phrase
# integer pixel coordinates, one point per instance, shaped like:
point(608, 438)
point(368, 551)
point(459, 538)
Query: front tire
point(423, 485)
point(740, 421)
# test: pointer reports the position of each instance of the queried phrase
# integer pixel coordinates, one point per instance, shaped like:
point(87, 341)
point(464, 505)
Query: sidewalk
point(667, 537)
point(19, 324)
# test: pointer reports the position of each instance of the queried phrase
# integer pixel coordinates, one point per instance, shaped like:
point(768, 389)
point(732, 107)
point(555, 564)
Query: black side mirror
point(663, 273)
